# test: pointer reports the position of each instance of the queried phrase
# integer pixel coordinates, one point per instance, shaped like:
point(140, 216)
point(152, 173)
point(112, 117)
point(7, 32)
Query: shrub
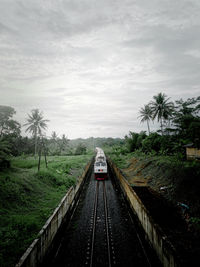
point(151, 142)
point(4, 154)
point(134, 140)
point(58, 179)
point(80, 150)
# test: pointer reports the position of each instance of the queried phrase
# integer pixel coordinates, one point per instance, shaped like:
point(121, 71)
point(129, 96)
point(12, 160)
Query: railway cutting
point(101, 232)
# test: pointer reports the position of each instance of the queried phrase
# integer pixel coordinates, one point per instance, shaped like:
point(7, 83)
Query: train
point(100, 165)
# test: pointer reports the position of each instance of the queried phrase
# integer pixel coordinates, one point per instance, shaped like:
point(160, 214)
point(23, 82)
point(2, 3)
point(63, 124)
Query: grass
point(181, 177)
point(28, 198)
point(172, 161)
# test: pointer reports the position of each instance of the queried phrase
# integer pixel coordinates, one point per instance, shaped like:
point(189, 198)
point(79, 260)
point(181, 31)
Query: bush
point(4, 164)
point(152, 142)
point(134, 140)
point(4, 154)
point(58, 179)
point(80, 150)
point(16, 237)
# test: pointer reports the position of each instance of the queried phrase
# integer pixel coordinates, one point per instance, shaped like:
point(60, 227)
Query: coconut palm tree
point(161, 108)
point(146, 115)
point(36, 124)
point(54, 136)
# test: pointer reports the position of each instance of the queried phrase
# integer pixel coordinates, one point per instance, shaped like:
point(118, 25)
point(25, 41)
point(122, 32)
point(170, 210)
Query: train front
point(100, 170)
point(100, 166)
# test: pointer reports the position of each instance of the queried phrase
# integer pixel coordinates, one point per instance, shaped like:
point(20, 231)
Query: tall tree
point(161, 108)
point(186, 120)
point(7, 124)
point(146, 115)
point(62, 143)
point(36, 124)
point(54, 136)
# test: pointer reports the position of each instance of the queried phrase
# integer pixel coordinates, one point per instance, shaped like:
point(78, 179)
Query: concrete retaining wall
point(164, 249)
point(37, 250)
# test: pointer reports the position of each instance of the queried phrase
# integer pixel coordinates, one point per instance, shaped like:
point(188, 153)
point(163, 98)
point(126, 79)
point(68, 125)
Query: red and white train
point(100, 165)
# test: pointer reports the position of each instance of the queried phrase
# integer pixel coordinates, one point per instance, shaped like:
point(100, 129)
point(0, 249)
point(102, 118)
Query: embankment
point(176, 242)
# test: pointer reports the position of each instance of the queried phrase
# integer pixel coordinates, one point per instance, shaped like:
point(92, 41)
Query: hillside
point(170, 189)
point(28, 197)
point(177, 181)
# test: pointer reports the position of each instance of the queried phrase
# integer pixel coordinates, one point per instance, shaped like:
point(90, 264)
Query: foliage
point(146, 115)
point(4, 154)
point(8, 126)
point(9, 133)
point(55, 178)
point(195, 223)
point(186, 120)
point(119, 150)
point(152, 143)
point(180, 125)
point(81, 149)
point(161, 108)
point(36, 124)
point(28, 198)
point(134, 140)
point(58, 146)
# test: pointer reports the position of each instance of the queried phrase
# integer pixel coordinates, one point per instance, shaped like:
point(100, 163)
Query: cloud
point(91, 65)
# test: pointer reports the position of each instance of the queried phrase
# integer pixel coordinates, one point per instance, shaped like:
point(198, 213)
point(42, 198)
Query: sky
point(90, 65)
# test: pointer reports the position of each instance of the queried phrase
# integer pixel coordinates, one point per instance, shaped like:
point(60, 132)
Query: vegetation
point(179, 122)
point(179, 177)
point(179, 125)
point(4, 152)
point(81, 149)
point(159, 158)
point(8, 126)
point(146, 115)
point(36, 124)
point(28, 197)
point(161, 109)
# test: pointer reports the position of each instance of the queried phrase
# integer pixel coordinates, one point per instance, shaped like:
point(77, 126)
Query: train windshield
point(101, 158)
point(98, 164)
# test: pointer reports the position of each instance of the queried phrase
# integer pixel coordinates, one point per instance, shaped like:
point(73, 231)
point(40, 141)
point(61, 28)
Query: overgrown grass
point(173, 161)
point(28, 198)
point(179, 176)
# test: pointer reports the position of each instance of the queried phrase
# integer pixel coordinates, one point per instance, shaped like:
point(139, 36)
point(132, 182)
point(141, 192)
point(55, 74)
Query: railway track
point(100, 220)
point(101, 232)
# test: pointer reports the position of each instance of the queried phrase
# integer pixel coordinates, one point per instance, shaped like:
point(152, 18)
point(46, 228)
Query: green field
point(28, 198)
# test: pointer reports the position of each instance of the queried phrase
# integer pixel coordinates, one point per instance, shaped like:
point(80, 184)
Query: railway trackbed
point(100, 224)
point(101, 231)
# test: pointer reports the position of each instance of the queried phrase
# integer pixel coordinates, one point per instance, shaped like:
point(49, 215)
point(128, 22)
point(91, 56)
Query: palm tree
point(146, 115)
point(161, 108)
point(54, 136)
point(36, 124)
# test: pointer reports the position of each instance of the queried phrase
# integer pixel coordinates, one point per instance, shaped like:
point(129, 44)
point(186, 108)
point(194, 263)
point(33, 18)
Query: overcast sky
point(90, 65)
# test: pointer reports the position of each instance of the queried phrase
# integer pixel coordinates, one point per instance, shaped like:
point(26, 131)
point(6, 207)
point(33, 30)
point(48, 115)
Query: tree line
point(179, 126)
point(12, 143)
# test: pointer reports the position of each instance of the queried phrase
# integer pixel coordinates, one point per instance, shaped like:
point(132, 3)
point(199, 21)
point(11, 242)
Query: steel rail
point(106, 223)
point(94, 223)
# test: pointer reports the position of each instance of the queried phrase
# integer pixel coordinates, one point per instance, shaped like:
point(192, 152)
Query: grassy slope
point(181, 182)
point(181, 179)
point(27, 199)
